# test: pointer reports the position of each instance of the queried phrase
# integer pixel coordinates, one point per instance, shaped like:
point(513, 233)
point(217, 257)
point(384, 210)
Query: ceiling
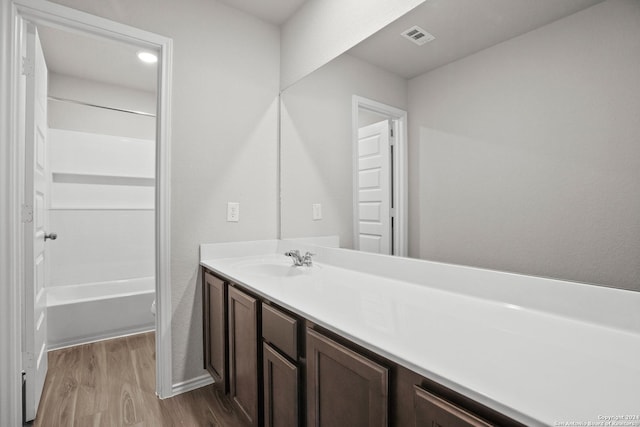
point(274, 11)
point(97, 59)
point(461, 27)
point(112, 62)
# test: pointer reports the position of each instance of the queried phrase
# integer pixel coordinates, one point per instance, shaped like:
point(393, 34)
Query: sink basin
point(272, 267)
point(268, 269)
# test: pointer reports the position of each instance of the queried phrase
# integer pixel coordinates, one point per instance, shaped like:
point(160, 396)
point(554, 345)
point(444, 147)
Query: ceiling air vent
point(418, 35)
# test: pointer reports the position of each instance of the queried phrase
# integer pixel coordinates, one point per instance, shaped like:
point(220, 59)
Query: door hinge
point(27, 361)
point(27, 213)
point(393, 212)
point(24, 397)
point(391, 132)
point(27, 66)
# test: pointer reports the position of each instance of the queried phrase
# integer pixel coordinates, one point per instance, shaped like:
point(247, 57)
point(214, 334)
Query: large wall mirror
point(510, 141)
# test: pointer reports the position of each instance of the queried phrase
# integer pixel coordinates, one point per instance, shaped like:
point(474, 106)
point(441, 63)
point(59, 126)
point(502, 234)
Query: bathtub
point(78, 314)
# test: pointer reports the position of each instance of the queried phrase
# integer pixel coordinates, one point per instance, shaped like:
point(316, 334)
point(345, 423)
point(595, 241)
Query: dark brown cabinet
point(280, 370)
point(430, 410)
point(344, 388)
point(243, 353)
point(282, 394)
point(280, 390)
point(215, 318)
point(280, 330)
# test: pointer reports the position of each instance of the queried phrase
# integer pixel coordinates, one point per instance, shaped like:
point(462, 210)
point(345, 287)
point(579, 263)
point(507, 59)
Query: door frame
point(400, 174)
point(12, 111)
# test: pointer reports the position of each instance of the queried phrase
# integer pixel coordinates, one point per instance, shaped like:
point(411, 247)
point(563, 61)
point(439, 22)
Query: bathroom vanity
point(362, 339)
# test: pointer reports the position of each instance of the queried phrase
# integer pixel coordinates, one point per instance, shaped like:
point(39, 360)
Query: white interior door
point(374, 188)
point(35, 310)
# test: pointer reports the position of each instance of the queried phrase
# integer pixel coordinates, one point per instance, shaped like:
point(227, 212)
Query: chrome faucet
point(300, 260)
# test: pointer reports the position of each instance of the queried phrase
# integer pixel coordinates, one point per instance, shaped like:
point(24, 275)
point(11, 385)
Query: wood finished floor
point(112, 383)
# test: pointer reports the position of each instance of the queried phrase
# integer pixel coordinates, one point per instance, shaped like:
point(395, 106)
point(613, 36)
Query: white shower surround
point(101, 273)
point(102, 207)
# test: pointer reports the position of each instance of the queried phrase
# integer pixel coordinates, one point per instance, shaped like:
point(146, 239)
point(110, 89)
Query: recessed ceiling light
point(148, 57)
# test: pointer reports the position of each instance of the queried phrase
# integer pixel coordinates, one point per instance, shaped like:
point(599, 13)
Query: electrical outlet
point(317, 211)
point(233, 211)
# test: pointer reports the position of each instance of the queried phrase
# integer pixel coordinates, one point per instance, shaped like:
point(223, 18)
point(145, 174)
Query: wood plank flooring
point(112, 383)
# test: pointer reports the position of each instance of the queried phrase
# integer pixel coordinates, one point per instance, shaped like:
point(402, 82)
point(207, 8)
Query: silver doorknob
point(52, 236)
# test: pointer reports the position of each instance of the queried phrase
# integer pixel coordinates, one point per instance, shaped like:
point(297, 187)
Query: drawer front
point(281, 330)
point(431, 410)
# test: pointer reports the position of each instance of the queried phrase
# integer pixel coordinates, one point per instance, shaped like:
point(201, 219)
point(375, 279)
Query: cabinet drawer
point(430, 410)
point(281, 330)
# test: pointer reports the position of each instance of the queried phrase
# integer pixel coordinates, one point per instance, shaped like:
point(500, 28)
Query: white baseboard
point(192, 384)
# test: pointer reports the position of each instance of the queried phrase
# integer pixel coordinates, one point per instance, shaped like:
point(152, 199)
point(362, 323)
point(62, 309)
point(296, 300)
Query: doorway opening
point(379, 140)
point(100, 176)
point(33, 146)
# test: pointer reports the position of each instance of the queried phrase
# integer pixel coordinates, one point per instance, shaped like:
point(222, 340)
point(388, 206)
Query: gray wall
point(528, 152)
point(65, 115)
point(321, 30)
point(224, 139)
point(316, 147)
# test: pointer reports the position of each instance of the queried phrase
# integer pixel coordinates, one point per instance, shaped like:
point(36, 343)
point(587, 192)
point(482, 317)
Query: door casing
point(400, 173)
point(51, 14)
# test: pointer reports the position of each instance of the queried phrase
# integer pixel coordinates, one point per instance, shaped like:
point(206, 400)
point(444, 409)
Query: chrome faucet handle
point(306, 259)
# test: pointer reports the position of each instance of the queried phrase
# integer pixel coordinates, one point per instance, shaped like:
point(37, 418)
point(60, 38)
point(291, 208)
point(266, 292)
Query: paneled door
point(215, 341)
point(344, 388)
point(374, 188)
point(243, 353)
point(34, 349)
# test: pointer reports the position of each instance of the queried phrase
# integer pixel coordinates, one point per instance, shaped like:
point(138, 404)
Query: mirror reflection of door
point(379, 177)
point(375, 183)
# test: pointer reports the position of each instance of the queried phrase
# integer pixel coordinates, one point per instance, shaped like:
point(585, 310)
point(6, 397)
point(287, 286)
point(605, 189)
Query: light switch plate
point(233, 211)
point(317, 211)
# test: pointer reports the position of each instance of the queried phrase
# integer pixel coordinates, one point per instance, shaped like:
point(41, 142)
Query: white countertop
point(538, 367)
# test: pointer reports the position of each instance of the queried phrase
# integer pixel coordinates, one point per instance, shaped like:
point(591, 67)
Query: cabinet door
point(280, 390)
point(344, 388)
point(243, 352)
point(431, 410)
point(215, 348)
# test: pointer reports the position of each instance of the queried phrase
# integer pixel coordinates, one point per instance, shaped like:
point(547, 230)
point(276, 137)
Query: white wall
point(101, 201)
point(101, 205)
point(366, 118)
point(323, 29)
point(529, 159)
point(224, 139)
point(63, 115)
point(316, 148)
